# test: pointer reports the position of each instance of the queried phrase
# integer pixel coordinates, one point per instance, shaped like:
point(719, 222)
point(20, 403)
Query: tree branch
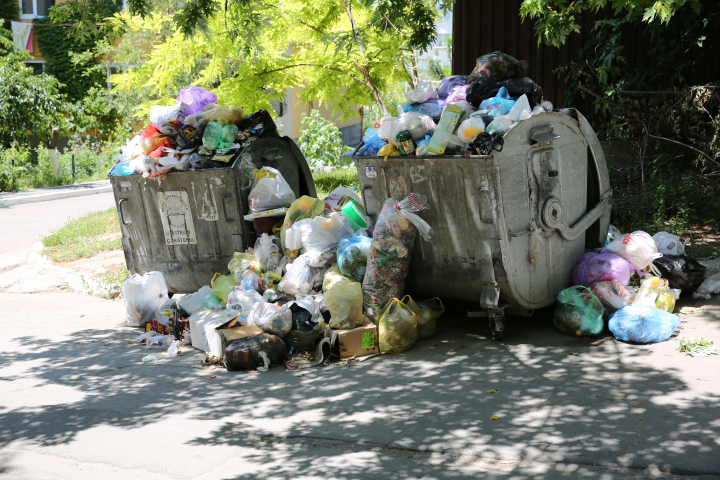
point(313, 65)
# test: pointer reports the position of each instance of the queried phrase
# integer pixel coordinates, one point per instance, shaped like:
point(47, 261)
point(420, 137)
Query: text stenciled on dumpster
point(176, 218)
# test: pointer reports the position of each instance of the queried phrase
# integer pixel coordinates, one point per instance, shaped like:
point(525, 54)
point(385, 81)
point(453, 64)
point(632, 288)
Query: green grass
point(341, 177)
point(83, 237)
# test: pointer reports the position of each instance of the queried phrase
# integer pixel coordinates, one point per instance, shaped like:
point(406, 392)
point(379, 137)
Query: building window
point(111, 70)
point(38, 66)
point(35, 8)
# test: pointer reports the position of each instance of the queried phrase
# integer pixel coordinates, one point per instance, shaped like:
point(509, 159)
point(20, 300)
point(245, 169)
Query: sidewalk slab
point(8, 199)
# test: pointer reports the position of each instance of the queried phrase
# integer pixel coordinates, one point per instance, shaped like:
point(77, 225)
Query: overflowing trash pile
point(196, 133)
point(466, 115)
point(637, 314)
point(319, 280)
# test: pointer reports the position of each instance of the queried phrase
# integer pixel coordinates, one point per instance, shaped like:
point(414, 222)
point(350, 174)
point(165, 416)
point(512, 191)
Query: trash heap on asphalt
point(637, 314)
point(194, 134)
point(467, 115)
point(318, 278)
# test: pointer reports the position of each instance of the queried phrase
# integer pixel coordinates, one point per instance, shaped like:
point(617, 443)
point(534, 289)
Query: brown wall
point(483, 26)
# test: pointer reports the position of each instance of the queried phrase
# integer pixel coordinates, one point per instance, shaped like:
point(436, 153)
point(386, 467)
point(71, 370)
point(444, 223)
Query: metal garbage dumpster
point(189, 226)
point(510, 226)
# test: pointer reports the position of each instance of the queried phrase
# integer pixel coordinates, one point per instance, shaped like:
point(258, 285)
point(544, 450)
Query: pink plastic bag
point(195, 98)
point(601, 267)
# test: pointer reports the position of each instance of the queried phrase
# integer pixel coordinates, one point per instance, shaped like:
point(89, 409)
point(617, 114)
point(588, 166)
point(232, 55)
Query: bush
point(321, 142)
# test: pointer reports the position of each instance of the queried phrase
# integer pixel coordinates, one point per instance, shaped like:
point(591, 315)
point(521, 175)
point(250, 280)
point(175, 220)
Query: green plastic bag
point(218, 136)
point(427, 313)
point(578, 312)
point(222, 285)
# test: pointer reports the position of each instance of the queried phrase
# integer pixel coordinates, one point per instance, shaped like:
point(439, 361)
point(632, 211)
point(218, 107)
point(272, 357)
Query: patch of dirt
point(704, 241)
point(100, 264)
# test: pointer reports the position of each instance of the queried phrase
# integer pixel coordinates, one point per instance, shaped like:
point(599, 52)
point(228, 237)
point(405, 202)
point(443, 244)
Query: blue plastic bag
point(499, 104)
point(121, 170)
point(352, 256)
point(643, 324)
point(432, 107)
point(373, 143)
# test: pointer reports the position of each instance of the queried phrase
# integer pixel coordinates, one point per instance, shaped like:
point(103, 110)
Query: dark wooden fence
point(483, 26)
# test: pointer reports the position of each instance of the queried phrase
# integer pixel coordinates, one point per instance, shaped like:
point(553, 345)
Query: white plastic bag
point(422, 93)
point(272, 318)
point(638, 248)
point(416, 123)
point(298, 279)
point(196, 301)
point(270, 190)
point(470, 128)
point(501, 125)
point(331, 201)
point(143, 294)
point(310, 303)
point(264, 249)
point(159, 115)
point(244, 300)
point(669, 244)
point(517, 112)
point(385, 128)
point(319, 233)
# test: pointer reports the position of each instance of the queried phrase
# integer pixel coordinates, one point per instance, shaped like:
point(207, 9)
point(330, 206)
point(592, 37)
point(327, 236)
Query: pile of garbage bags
point(319, 269)
point(196, 133)
point(603, 294)
point(466, 115)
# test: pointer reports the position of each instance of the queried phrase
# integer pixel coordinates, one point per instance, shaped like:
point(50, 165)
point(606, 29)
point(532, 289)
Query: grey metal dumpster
point(189, 226)
point(510, 226)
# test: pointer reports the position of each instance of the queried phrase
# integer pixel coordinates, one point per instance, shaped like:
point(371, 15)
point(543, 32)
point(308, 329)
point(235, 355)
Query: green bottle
point(405, 143)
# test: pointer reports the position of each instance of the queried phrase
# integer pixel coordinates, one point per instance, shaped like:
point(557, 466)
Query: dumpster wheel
point(497, 324)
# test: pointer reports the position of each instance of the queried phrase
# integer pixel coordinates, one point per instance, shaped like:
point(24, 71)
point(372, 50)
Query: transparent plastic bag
point(385, 127)
point(244, 300)
point(352, 256)
point(241, 262)
point(397, 327)
point(250, 280)
point(264, 249)
point(270, 190)
point(612, 295)
point(501, 125)
point(216, 113)
point(272, 318)
point(643, 324)
point(319, 233)
point(638, 248)
point(143, 294)
point(654, 292)
point(218, 136)
point(578, 312)
point(194, 302)
point(424, 91)
point(470, 128)
point(344, 300)
point(222, 285)
point(427, 313)
point(298, 279)
point(159, 114)
point(669, 244)
point(596, 267)
point(415, 123)
point(333, 276)
point(392, 244)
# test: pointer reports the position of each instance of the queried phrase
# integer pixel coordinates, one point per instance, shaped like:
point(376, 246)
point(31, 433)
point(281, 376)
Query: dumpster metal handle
point(122, 216)
point(552, 217)
point(225, 209)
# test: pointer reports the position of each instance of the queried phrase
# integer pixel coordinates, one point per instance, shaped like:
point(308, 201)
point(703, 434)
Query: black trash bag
point(244, 354)
point(260, 124)
point(481, 90)
point(681, 272)
point(190, 136)
point(498, 63)
point(202, 162)
point(281, 298)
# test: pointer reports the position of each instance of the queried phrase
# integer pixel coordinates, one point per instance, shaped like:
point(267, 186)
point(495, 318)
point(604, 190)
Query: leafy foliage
point(321, 142)
point(556, 19)
point(9, 9)
point(30, 102)
point(697, 347)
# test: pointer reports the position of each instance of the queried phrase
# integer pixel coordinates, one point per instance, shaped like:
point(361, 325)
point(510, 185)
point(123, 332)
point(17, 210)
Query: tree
point(556, 19)
point(30, 103)
point(343, 52)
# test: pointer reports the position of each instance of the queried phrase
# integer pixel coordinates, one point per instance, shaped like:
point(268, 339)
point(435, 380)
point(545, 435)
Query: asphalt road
point(22, 225)
point(76, 402)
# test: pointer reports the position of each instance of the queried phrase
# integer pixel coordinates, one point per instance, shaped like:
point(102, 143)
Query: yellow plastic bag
point(222, 285)
point(344, 301)
point(217, 113)
point(271, 280)
point(303, 207)
point(397, 327)
point(241, 262)
point(427, 313)
point(388, 150)
point(655, 297)
point(333, 277)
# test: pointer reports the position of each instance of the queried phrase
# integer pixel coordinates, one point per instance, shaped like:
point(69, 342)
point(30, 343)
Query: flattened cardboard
point(229, 335)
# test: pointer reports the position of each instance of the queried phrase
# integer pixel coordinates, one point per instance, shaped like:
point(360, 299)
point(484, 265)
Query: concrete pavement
point(77, 402)
point(22, 225)
point(8, 199)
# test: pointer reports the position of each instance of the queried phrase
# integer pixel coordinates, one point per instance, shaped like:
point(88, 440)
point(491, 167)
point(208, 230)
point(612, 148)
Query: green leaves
point(321, 142)
point(697, 347)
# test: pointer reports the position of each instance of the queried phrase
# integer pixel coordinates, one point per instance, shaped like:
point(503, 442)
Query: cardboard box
point(204, 335)
point(359, 341)
point(229, 335)
point(449, 122)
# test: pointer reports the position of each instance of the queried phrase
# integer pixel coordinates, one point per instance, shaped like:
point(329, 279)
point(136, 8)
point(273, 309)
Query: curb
point(46, 194)
point(77, 281)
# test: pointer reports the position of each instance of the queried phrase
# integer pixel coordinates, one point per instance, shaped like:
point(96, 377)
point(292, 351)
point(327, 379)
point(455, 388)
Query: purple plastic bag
point(447, 85)
point(601, 267)
point(196, 98)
